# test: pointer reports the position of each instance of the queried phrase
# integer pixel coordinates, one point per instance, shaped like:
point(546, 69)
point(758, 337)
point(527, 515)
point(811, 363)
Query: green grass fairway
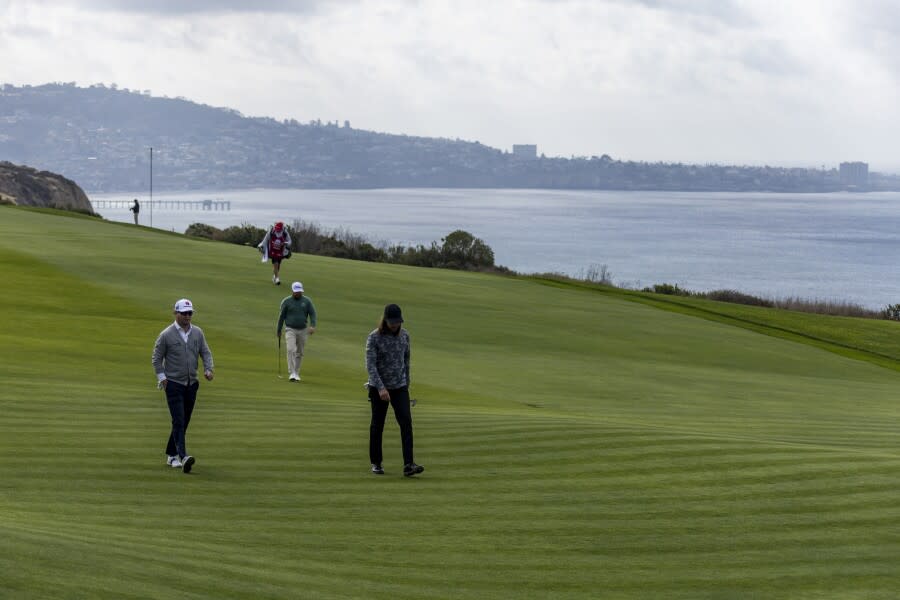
point(577, 444)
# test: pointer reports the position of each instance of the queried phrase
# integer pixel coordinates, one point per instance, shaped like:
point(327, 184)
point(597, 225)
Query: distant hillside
point(100, 136)
point(25, 186)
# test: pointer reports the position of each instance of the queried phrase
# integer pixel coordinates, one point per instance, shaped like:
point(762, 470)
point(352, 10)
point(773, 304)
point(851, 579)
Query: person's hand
point(208, 375)
point(384, 395)
point(312, 330)
point(162, 384)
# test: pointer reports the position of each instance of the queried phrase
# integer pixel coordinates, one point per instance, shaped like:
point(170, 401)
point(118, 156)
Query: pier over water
point(165, 204)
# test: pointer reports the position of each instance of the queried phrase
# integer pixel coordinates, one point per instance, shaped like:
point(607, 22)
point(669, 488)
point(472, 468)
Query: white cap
point(184, 305)
point(296, 287)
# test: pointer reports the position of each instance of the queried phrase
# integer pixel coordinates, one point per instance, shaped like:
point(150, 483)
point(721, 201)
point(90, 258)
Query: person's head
point(184, 310)
point(297, 289)
point(391, 320)
point(279, 228)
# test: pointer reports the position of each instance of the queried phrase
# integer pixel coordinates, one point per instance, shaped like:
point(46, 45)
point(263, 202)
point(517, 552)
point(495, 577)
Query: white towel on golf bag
point(265, 257)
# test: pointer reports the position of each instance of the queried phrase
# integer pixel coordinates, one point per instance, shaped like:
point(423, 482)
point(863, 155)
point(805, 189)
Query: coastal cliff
point(25, 186)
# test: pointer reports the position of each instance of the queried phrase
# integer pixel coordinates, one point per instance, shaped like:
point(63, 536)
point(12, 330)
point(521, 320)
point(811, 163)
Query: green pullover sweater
point(296, 312)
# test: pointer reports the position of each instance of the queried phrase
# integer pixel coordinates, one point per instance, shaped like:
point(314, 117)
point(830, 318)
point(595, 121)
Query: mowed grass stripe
point(567, 465)
point(613, 451)
point(863, 564)
point(742, 465)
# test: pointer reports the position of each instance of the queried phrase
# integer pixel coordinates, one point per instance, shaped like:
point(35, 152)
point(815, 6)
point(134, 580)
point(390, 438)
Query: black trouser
point(400, 402)
point(181, 399)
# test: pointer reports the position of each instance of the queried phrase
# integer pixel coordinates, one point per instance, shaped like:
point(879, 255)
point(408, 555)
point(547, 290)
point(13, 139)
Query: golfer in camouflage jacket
point(387, 362)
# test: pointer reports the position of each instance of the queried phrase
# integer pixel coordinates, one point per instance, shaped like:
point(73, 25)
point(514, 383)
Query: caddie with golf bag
point(276, 246)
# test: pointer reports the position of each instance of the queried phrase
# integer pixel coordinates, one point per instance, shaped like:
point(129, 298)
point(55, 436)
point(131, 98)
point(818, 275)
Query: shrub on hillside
point(737, 297)
point(891, 312)
point(415, 256)
point(307, 237)
point(462, 250)
point(245, 234)
point(597, 274)
point(370, 253)
point(827, 307)
point(459, 250)
point(202, 230)
point(310, 238)
point(669, 289)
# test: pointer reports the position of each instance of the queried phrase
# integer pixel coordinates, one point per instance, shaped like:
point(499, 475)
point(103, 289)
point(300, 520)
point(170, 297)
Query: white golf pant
point(296, 342)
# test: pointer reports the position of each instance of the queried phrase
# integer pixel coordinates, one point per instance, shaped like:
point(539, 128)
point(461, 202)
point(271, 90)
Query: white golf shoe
point(173, 461)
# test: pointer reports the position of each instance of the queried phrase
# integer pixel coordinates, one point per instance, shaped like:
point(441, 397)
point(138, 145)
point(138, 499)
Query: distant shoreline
point(198, 191)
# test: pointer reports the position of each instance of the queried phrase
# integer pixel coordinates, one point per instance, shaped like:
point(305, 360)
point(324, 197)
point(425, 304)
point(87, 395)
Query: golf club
point(278, 357)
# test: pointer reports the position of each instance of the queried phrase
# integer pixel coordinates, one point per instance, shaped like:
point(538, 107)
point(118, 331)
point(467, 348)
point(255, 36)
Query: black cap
point(392, 314)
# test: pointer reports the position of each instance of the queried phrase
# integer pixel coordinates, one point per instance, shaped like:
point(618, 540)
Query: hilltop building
point(525, 151)
point(854, 174)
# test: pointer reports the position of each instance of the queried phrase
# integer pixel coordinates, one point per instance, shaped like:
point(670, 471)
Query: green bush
point(418, 256)
point(459, 250)
point(202, 230)
point(462, 250)
point(245, 235)
point(737, 297)
point(668, 289)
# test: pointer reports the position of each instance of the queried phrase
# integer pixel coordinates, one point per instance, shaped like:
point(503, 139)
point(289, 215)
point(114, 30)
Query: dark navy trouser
point(400, 402)
point(181, 399)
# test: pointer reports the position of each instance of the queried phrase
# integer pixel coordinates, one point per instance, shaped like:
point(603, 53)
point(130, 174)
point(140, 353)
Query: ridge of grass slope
point(871, 340)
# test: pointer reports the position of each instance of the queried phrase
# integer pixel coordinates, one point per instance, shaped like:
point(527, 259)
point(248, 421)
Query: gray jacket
point(387, 360)
point(177, 360)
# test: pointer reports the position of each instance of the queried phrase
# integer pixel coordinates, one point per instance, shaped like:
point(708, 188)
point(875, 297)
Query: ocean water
point(839, 247)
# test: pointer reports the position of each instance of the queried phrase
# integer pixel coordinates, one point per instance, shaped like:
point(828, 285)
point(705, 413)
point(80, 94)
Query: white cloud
point(753, 81)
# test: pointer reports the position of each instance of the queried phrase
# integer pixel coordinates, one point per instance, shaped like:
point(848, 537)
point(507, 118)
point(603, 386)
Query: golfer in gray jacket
point(175, 357)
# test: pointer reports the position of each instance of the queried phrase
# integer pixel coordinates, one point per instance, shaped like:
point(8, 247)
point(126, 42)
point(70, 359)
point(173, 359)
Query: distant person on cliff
point(136, 208)
point(276, 246)
point(295, 313)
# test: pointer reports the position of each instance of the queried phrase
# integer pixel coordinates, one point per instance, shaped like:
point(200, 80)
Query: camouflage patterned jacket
point(387, 359)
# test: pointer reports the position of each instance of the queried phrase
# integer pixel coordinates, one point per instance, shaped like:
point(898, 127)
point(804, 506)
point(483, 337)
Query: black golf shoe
point(377, 470)
point(187, 463)
point(412, 469)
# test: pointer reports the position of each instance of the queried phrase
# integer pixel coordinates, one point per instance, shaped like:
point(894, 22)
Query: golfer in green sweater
point(296, 312)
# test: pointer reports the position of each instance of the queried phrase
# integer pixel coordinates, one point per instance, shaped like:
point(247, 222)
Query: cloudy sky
point(780, 82)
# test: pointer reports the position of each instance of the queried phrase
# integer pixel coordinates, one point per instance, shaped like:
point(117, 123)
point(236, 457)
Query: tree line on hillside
point(459, 250)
